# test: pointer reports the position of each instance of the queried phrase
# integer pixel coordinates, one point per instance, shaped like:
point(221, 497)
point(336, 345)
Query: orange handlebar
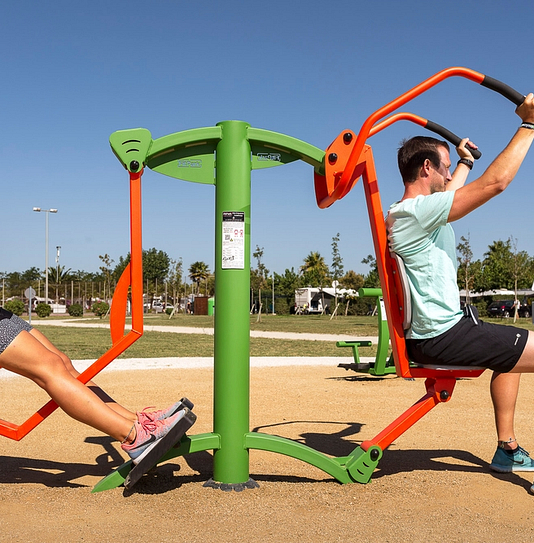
point(339, 185)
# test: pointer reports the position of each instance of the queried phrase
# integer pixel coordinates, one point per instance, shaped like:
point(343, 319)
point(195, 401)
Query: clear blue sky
point(74, 72)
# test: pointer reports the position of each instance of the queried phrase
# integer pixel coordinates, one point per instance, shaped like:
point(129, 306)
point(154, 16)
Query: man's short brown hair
point(413, 152)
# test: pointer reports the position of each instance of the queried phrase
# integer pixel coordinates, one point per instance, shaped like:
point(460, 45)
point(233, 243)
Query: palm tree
point(61, 275)
point(315, 269)
point(198, 272)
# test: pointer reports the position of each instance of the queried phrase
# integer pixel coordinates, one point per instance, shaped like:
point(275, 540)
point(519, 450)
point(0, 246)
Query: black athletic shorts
point(472, 342)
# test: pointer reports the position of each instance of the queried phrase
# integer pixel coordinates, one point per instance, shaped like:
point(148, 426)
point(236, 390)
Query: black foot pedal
point(187, 403)
point(164, 445)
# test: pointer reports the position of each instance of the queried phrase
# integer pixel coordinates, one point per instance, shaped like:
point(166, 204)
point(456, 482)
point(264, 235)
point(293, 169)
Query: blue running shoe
point(509, 461)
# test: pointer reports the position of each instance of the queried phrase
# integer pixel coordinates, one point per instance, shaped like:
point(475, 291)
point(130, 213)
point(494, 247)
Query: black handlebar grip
point(500, 87)
point(449, 136)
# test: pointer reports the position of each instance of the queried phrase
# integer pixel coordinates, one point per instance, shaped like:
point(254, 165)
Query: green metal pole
point(232, 303)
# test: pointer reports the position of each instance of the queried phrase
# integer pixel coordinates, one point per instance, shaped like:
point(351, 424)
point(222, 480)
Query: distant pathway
point(209, 331)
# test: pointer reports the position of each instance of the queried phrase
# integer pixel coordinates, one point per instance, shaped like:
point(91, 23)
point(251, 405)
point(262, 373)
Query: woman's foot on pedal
point(149, 432)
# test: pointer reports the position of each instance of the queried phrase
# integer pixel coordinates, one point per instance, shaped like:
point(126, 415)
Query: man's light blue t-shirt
point(420, 234)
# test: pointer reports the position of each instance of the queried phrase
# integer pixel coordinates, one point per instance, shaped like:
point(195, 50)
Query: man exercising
point(420, 233)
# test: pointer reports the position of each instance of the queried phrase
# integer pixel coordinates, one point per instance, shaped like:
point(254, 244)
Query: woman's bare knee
point(41, 338)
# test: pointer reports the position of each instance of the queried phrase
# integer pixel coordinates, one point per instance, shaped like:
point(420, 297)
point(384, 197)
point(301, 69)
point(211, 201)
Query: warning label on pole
point(233, 240)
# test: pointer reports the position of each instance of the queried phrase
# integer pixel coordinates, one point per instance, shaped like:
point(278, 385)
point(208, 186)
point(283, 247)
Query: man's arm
point(459, 177)
point(500, 172)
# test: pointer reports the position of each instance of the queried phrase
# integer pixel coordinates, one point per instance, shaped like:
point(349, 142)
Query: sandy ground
point(432, 484)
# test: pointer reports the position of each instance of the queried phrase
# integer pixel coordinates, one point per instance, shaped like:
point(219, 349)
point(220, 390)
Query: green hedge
point(15, 306)
point(43, 310)
point(100, 309)
point(75, 310)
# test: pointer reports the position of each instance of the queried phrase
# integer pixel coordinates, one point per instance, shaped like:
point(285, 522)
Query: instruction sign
point(233, 240)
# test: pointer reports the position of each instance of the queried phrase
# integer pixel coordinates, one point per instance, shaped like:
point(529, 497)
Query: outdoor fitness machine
point(224, 156)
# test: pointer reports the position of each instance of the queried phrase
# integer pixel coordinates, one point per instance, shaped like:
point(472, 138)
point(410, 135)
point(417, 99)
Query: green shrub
point(281, 306)
point(75, 310)
point(43, 310)
point(168, 310)
point(100, 309)
point(482, 308)
point(15, 306)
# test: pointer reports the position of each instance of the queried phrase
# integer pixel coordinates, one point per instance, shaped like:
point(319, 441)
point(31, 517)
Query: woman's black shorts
point(472, 342)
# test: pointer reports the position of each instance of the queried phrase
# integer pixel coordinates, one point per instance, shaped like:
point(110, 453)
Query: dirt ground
point(432, 484)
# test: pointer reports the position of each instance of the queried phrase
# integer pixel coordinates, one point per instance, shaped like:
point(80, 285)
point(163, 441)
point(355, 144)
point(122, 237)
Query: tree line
point(502, 266)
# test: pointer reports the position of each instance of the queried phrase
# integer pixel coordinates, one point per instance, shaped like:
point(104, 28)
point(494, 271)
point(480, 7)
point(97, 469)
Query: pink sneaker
point(149, 432)
point(161, 414)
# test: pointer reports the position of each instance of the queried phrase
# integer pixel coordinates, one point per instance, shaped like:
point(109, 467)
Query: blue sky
point(73, 73)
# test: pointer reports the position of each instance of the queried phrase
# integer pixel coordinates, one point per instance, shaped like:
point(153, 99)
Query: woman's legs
point(28, 356)
point(111, 403)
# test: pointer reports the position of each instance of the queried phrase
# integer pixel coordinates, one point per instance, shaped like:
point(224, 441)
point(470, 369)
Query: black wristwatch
point(467, 162)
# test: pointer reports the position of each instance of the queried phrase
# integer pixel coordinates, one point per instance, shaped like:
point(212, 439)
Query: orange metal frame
point(346, 160)
point(131, 281)
point(333, 187)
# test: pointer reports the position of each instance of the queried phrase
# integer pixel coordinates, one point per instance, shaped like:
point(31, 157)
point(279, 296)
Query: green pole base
point(228, 487)
point(282, 445)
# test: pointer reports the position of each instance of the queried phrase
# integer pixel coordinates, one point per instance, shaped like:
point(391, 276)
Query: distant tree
point(352, 280)
point(60, 274)
point(522, 268)
point(469, 272)
point(372, 279)
point(17, 282)
point(174, 280)
point(155, 266)
point(198, 271)
point(120, 267)
point(314, 271)
point(336, 270)
point(497, 266)
point(285, 285)
point(258, 276)
point(107, 261)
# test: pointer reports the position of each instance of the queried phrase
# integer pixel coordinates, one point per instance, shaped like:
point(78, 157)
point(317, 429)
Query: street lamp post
point(47, 211)
point(58, 249)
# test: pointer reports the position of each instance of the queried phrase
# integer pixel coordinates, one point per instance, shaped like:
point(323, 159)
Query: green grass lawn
point(87, 343)
point(315, 324)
